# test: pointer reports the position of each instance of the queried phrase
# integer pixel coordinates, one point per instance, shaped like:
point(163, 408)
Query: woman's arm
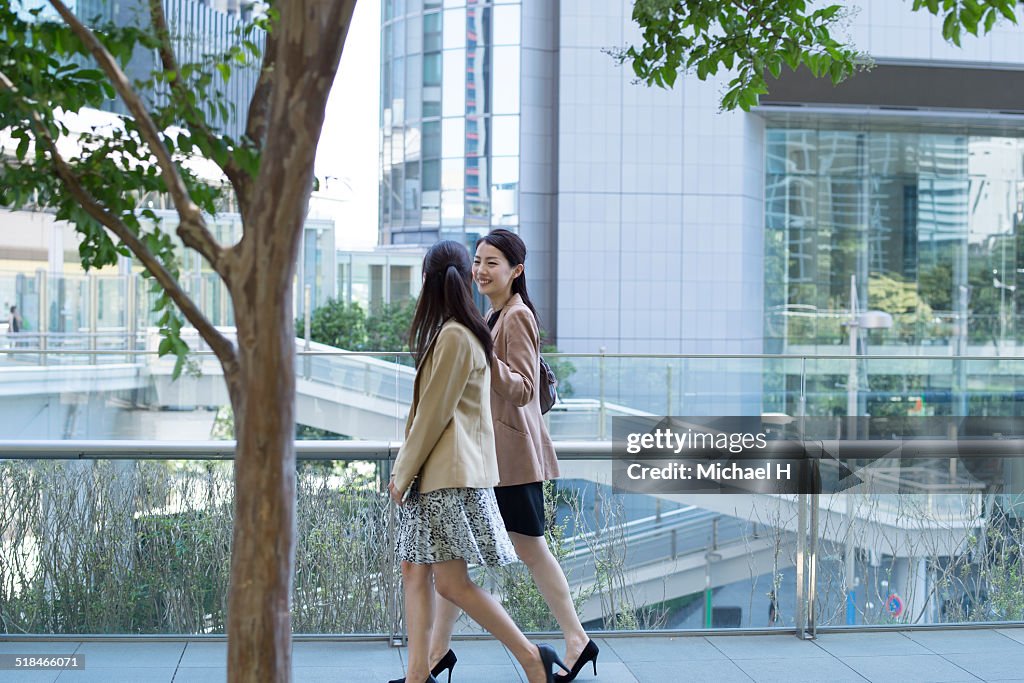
point(451, 364)
point(514, 379)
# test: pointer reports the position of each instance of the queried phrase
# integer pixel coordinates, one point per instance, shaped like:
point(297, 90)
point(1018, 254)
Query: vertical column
point(43, 327)
point(56, 250)
point(94, 305)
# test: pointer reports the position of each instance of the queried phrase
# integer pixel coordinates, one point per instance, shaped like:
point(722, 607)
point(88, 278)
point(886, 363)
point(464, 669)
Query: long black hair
point(513, 248)
point(446, 293)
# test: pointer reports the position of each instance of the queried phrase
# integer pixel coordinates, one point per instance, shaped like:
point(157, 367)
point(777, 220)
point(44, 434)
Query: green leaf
point(951, 28)
point(990, 19)
point(22, 148)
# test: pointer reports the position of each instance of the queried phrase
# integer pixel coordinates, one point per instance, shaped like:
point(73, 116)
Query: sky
point(349, 141)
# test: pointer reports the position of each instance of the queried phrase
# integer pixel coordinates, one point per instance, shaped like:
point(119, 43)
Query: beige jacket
point(449, 439)
point(525, 451)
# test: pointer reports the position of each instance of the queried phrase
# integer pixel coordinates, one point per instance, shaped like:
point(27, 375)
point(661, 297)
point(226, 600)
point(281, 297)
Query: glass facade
point(932, 226)
point(450, 80)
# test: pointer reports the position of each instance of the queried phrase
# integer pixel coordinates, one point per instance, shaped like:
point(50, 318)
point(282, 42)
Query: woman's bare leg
point(553, 586)
point(419, 615)
point(453, 583)
point(445, 616)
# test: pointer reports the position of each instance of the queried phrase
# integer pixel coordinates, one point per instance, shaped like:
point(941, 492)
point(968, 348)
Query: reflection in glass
point(413, 98)
point(431, 70)
point(505, 136)
point(452, 207)
point(453, 94)
point(431, 140)
point(431, 175)
point(507, 25)
point(453, 138)
point(930, 223)
point(506, 80)
point(398, 89)
point(453, 174)
point(454, 34)
point(411, 196)
point(432, 32)
point(414, 35)
point(791, 151)
point(505, 191)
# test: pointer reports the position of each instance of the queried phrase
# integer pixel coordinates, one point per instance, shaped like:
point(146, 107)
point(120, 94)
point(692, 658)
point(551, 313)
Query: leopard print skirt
point(452, 524)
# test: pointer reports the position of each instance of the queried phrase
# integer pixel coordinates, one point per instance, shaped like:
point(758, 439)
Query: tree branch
point(240, 180)
point(192, 226)
point(220, 345)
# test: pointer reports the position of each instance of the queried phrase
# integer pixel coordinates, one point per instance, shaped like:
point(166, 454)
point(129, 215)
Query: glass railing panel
point(134, 546)
point(639, 562)
point(595, 389)
point(927, 534)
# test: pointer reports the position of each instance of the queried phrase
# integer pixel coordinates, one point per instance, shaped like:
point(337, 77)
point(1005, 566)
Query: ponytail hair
point(446, 293)
point(513, 248)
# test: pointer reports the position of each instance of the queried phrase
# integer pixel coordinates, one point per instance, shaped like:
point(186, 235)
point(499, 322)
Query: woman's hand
point(396, 495)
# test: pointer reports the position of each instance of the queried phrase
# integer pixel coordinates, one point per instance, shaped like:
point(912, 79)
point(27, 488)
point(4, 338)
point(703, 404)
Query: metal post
point(394, 597)
point(801, 555)
point(131, 322)
point(668, 390)
point(961, 343)
point(601, 430)
point(851, 377)
point(306, 321)
point(94, 304)
point(812, 565)
point(707, 590)
point(708, 558)
point(44, 315)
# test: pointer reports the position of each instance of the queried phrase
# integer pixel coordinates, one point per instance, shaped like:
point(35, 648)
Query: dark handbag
point(548, 387)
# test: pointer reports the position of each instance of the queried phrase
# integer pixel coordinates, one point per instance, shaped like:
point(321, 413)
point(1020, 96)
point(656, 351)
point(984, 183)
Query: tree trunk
point(309, 37)
point(263, 546)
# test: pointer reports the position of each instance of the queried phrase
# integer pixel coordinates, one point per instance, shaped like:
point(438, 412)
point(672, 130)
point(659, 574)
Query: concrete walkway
point(907, 657)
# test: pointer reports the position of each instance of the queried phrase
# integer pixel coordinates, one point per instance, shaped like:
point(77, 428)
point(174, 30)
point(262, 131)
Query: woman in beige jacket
point(446, 468)
point(526, 456)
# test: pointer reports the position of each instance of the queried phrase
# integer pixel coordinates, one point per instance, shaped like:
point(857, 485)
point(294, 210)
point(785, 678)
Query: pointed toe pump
point(447, 663)
point(589, 654)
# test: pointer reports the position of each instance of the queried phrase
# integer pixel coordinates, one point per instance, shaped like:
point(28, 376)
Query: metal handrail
point(101, 449)
point(564, 355)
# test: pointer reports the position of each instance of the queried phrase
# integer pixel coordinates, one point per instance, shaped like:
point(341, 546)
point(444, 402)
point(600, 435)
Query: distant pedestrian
point(15, 325)
point(14, 322)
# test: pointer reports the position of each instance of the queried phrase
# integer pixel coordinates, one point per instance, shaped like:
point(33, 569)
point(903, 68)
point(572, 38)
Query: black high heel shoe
point(548, 657)
point(430, 679)
point(589, 654)
point(447, 663)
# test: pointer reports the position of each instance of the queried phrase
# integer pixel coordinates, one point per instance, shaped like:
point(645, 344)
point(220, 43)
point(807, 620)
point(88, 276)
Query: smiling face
point(492, 272)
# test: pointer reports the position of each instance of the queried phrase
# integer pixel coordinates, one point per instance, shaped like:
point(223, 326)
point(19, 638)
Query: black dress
point(521, 505)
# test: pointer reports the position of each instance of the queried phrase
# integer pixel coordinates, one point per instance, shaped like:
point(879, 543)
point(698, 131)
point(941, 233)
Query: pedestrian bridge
point(100, 387)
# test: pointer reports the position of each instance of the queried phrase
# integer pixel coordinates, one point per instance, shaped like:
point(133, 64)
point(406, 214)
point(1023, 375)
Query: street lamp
point(869, 320)
point(1003, 288)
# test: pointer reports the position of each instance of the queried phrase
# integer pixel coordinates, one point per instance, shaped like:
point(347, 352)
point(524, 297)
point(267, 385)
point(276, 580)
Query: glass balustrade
point(110, 540)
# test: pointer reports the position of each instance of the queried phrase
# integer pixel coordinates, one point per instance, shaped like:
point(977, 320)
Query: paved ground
point(904, 657)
